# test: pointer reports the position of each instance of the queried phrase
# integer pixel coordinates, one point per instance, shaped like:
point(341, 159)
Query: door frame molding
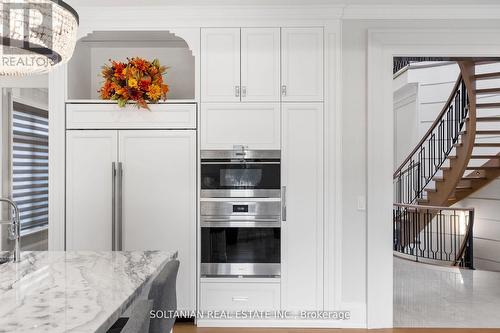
point(383, 45)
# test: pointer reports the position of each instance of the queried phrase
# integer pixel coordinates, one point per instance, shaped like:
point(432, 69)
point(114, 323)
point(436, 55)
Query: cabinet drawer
point(110, 116)
point(236, 296)
point(256, 125)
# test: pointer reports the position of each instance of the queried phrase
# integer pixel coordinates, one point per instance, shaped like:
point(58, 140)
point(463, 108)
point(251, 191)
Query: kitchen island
point(83, 291)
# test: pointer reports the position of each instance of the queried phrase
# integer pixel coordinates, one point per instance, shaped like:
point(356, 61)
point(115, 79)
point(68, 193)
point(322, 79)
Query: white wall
point(406, 121)
point(486, 203)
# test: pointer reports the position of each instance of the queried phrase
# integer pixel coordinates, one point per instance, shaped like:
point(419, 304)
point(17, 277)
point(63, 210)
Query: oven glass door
point(240, 250)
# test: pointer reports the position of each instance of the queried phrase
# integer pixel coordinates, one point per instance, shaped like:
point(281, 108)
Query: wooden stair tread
point(487, 91)
point(487, 105)
point(487, 119)
point(488, 132)
point(486, 76)
point(484, 157)
point(486, 144)
point(422, 201)
point(485, 62)
point(465, 188)
point(483, 167)
point(430, 190)
point(474, 178)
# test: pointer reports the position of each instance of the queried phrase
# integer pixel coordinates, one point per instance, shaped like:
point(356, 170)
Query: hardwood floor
point(190, 328)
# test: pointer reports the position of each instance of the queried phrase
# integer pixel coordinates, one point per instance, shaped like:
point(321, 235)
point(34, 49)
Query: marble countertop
point(81, 291)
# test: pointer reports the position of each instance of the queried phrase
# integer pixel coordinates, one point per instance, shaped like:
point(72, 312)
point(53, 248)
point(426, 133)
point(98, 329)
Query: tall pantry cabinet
point(263, 88)
point(302, 175)
point(132, 187)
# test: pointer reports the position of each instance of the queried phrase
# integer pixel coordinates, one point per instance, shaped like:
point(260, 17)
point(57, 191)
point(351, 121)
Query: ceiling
point(121, 3)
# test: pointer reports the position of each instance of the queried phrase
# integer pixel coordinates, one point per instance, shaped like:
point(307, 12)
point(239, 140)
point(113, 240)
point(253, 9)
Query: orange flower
point(107, 90)
point(119, 69)
point(164, 88)
point(154, 92)
point(141, 64)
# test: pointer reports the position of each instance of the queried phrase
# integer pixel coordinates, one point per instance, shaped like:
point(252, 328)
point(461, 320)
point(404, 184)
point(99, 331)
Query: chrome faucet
point(15, 228)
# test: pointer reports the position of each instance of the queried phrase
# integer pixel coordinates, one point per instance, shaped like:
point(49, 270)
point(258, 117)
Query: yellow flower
point(154, 92)
point(132, 83)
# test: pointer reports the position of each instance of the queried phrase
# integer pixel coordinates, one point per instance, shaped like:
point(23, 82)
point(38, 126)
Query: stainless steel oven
point(240, 238)
point(240, 173)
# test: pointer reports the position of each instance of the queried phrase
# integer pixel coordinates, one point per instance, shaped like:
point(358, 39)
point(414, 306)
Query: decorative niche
point(95, 50)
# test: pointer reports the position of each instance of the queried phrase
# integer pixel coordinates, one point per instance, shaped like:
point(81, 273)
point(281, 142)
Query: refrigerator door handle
point(283, 204)
point(119, 208)
point(113, 206)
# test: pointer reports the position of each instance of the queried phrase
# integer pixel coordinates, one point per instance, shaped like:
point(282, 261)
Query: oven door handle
point(228, 223)
point(243, 162)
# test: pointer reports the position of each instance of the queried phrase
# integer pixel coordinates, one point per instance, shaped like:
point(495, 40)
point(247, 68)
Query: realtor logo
point(27, 35)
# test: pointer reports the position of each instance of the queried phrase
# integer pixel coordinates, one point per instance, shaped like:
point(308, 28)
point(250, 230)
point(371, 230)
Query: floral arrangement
point(136, 80)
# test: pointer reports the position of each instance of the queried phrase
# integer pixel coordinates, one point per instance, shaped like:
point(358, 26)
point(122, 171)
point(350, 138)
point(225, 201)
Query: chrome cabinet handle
point(113, 206)
point(243, 91)
point(237, 91)
point(240, 299)
point(283, 204)
point(119, 207)
point(283, 90)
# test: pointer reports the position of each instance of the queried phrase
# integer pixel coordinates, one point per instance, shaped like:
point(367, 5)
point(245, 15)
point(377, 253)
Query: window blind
point(30, 164)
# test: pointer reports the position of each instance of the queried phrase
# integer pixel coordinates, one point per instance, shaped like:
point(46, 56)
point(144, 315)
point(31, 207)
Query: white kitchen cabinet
point(159, 199)
point(260, 64)
point(106, 115)
point(239, 295)
point(220, 64)
point(302, 226)
point(252, 52)
point(255, 125)
point(149, 205)
point(302, 64)
point(89, 189)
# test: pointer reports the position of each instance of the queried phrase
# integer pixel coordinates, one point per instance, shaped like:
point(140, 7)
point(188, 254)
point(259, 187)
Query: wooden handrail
point(432, 207)
point(432, 128)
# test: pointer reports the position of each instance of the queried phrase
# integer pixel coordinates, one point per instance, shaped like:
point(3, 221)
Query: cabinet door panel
point(302, 64)
point(302, 175)
point(260, 64)
point(89, 189)
point(220, 64)
point(159, 199)
point(256, 125)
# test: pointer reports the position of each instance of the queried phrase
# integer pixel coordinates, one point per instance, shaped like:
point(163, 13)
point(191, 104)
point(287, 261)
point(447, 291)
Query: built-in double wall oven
point(240, 213)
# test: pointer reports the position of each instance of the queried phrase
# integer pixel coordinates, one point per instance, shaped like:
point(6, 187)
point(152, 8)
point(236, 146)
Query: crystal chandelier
point(37, 35)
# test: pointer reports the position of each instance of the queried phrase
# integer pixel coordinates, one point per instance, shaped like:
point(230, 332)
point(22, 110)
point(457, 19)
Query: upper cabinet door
point(90, 160)
point(302, 64)
point(220, 65)
point(260, 64)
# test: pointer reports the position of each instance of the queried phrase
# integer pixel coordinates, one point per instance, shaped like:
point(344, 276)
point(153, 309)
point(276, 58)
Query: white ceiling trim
point(419, 12)
point(223, 15)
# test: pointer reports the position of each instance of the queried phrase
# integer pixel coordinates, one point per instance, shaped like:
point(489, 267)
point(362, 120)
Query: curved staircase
point(459, 154)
